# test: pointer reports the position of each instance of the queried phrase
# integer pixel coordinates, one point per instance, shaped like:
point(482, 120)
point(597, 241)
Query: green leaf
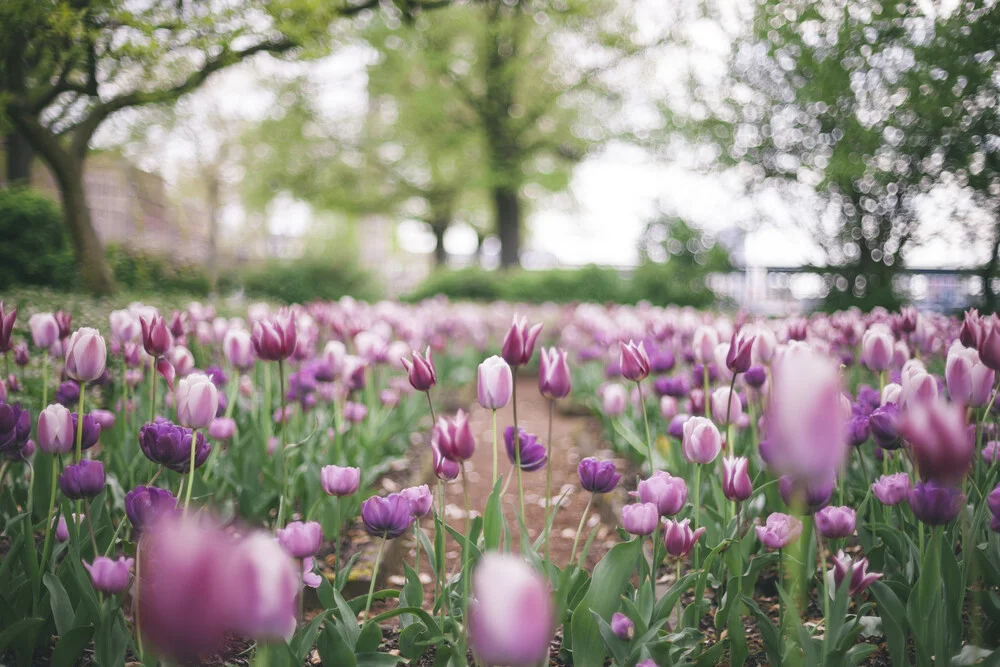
point(410, 640)
point(378, 660)
point(349, 621)
point(62, 608)
point(768, 630)
point(493, 519)
point(616, 646)
point(18, 630)
point(370, 638)
point(610, 578)
point(71, 645)
point(893, 616)
point(304, 639)
point(333, 646)
point(412, 594)
point(666, 603)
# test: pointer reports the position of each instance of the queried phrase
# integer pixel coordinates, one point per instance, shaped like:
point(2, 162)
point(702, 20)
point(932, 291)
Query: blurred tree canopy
point(66, 66)
point(473, 111)
point(877, 106)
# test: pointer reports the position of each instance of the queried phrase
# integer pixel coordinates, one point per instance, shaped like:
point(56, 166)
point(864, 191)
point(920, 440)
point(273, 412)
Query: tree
point(877, 106)
point(66, 66)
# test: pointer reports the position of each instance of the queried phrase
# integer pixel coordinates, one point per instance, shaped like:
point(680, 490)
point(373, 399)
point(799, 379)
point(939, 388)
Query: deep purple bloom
point(676, 427)
point(420, 370)
point(68, 394)
point(170, 446)
point(634, 361)
point(554, 380)
point(389, 517)
point(676, 386)
point(21, 356)
point(935, 504)
point(82, 480)
point(91, 430)
point(216, 375)
point(868, 399)
point(15, 427)
point(678, 537)
point(533, 453)
point(6, 327)
point(453, 437)
point(156, 338)
point(738, 357)
point(858, 430)
point(275, 339)
point(598, 476)
point(884, 423)
point(755, 376)
point(145, 504)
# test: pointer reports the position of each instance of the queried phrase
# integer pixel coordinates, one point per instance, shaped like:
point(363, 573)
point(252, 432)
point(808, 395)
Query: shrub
point(470, 284)
point(35, 250)
point(140, 271)
point(308, 279)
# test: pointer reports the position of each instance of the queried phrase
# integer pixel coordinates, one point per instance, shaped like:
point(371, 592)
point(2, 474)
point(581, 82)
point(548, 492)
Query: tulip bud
point(634, 361)
point(275, 339)
point(738, 356)
point(835, 522)
point(421, 371)
point(554, 380)
point(678, 537)
point(736, 484)
point(420, 500)
point(86, 355)
point(598, 476)
point(877, 349)
point(519, 343)
point(387, 517)
point(82, 480)
point(109, 576)
point(623, 627)
point(639, 518)
point(702, 440)
point(779, 531)
point(339, 481)
point(55, 430)
point(197, 401)
point(855, 571)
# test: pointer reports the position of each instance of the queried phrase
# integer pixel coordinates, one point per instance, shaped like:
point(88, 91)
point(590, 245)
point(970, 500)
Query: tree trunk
point(440, 254)
point(19, 156)
point(94, 270)
point(989, 271)
point(507, 213)
point(214, 213)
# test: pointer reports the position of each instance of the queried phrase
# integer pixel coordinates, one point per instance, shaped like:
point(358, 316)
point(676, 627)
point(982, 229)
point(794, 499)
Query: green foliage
point(142, 272)
point(35, 250)
point(665, 284)
point(308, 279)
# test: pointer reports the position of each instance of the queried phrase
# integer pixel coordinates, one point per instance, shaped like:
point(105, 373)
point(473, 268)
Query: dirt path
point(533, 411)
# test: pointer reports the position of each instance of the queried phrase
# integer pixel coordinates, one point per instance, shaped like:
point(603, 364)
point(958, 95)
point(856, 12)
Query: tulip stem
point(371, 588)
point(579, 529)
point(645, 419)
point(47, 545)
point(465, 495)
point(652, 557)
point(729, 409)
point(697, 509)
point(138, 606)
point(79, 453)
point(416, 536)
point(190, 480)
point(548, 481)
point(45, 380)
point(430, 404)
point(821, 562)
point(517, 444)
point(93, 540)
point(677, 627)
point(336, 545)
point(284, 444)
point(495, 464)
point(155, 476)
point(152, 389)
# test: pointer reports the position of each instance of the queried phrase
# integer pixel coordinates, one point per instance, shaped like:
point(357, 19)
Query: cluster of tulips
point(844, 467)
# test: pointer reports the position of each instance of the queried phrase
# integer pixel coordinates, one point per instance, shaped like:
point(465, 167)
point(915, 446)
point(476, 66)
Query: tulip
point(738, 357)
point(677, 387)
point(44, 330)
point(444, 469)
point(6, 328)
point(808, 496)
point(858, 430)
point(62, 528)
point(919, 387)
point(676, 427)
point(891, 393)
point(554, 379)
point(668, 407)
point(755, 376)
point(301, 539)
point(21, 356)
point(664, 491)
point(702, 440)
point(86, 355)
point(639, 518)
point(56, 434)
point(804, 426)
point(453, 437)
point(892, 489)
point(275, 339)
point(884, 424)
point(354, 372)
point(339, 481)
point(125, 327)
point(355, 412)
point(519, 343)
point(598, 476)
point(170, 446)
point(156, 338)
point(634, 361)
point(736, 484)
point(533, 455)
point(265, 606)
point(238, 348)
point(104, 418)
point(727, 408)
point(988, 342)
point(82, 480)
point(222, 428)
point(613, 400)
point(935, 504)
point(495, 383)
point(704, 342)
point(857, 571)
point(835, 522)
point(420, 500)
point(146, 504)
point(420, 371)
point(993, 501)
point(310, 578)
point(876, 349)
point(622, 626)
point(388, 398)
point(387, 517)
point(511, 613)
point(109, 576)
point(679, 539)
point(334, 356)
point(779, 531)
point(969, 333)
point(197, 401)
point(939, 441)
point(91, 431)
point(64, 321)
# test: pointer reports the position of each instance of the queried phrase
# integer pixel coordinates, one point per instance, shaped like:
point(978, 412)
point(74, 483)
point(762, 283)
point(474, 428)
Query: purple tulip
point(495, 383)
point(554, 379)
point(62, 528)
point(104, 418)
point(857, 570)
point(622, 626)
point(109, 576)
point(703, 343)
point(56, 434)
point(68, 394)
point(21, 355)
point(779, 531)
point(301, 539)
point(222, 428)
point(44, 330)
point(876, 349)
point(639, 518)
point(65, 322)
point(170, 446)
point(420, 371)
point(453, 437)
point(835, 522)
point(533, 453)
point(264, 605)
point(702, 440)
point(661, 360)
point(387, 517)
point(993, 501)
point(420, 500)
point(511, 613)
point(664, 491)
point(726, 406)
point(739, 355)
point(935, 504)
point(969, 332)
point(634, 361)
point(858, 430)
point(598, 476)
point(613, 400)
point(355, 412)
point(91, 430)
point(677, 386)
point(678, 537)
point(82, 480)
point(444, 469)
point(238, 349)
point(736, 484)
point(146, 504)
point(519, 343)
point(808, 496)
point(86, 355)
point(884, 423)
point(275, 339)
point(339, 481)
point(755, 376)
point(6, 327)
point(156, 338)
point(939, 441)
point(892, 489)
point(988, 342)
point(676, 427)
